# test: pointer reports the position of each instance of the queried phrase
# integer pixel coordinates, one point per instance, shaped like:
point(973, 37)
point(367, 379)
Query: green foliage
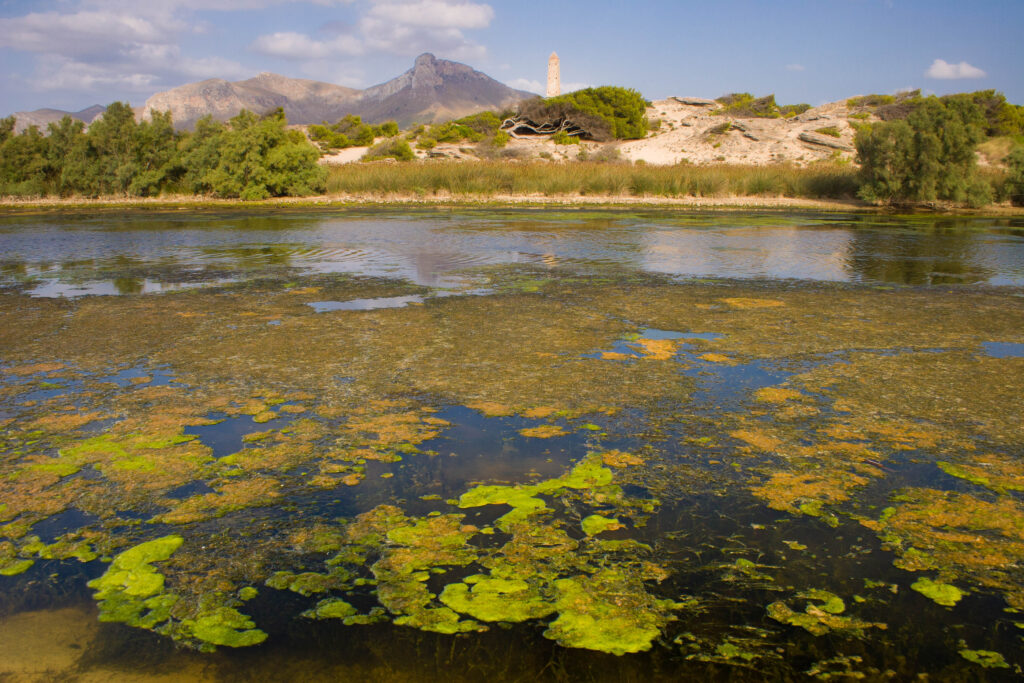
point(1014, 186)
point(743, 104)
point(563, 138)
point(500, 139)
point(485, 123)
point(605, 112)
point(426, 143)
point(350, 131)
point(788, 111)
point(393, 148)
point(252, 158)
point(831, 131)
point(929, 156)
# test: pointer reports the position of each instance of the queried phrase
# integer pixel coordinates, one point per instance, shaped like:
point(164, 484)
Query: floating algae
point(826, 448)
point(822, 614)
point(942, 593)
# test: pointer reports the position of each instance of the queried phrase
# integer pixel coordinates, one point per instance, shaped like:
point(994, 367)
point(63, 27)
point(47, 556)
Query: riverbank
point(447, 199)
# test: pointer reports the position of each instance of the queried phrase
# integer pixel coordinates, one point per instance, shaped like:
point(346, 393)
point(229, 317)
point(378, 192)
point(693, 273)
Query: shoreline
point(444, 200)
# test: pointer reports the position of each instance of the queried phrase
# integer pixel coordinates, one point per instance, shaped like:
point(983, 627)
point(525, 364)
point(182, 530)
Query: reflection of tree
point(942, 252)
point(128, 285)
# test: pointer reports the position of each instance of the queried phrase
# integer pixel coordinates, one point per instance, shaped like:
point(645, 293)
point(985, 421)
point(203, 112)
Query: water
point(132, 253)
point(675, 445)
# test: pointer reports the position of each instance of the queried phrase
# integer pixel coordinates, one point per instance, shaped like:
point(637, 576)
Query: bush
point(563, 138)
point(1014, 186)
point(929, 156)
point(831, 131)
point(392, 148)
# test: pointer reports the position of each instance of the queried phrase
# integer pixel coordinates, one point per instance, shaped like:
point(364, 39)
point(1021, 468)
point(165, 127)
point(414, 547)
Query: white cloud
point(526, 84)
point(298, 46)
point(434, 14)
point(795, 67)
point(392, 27)
point(946, 71)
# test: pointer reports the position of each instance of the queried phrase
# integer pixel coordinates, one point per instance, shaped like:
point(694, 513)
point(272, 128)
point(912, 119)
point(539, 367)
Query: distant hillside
point(432, 90)
point(43, 117)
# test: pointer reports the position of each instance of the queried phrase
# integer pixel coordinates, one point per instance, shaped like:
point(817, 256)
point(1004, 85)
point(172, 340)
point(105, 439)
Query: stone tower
point(554, 76)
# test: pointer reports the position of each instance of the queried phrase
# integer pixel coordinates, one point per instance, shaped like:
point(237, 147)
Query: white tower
point(554, 76)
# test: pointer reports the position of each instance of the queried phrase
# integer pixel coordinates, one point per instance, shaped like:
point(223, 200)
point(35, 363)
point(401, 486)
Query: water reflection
point(133, 252)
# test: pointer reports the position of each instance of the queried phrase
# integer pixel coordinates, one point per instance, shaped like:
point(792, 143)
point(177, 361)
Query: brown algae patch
point(543, 431)
point(747, 303)
point(958, 535)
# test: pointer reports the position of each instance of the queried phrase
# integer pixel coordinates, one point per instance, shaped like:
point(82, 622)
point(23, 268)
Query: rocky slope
point(432, 90)
point(41, 118)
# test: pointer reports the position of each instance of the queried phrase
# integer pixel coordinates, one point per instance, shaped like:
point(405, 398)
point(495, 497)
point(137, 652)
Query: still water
point(151, 252)
point(510, 445)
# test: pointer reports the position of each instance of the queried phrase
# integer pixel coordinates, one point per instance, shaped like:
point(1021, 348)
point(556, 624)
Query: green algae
point(487, 598)
point(821, 615)
point(608, 612)
point(331, 608)
point(986, 658)
point(944, 594)
point(15, 567)
point(224, 626)
point(595, 524)
point(131, 590)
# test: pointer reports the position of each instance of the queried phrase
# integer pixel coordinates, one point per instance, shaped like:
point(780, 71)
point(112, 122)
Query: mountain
point(432, 90)
point(43, 117)
point(303, 101)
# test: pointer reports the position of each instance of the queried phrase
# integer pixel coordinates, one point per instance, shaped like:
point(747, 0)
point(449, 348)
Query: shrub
point(1014, 186)
point(392, 148)
point(928, 156)
point(500, 139)
point(563, 138)
point(831, 131)
point(426, 143)
point(720, 129)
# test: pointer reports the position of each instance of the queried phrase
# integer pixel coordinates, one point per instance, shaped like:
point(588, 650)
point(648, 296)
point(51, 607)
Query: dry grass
point(498, 178)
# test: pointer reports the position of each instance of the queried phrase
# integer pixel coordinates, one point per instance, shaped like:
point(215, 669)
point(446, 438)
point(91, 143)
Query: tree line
point(249, 157)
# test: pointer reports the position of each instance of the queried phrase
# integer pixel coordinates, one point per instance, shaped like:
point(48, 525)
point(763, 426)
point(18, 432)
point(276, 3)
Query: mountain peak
point(425, 59)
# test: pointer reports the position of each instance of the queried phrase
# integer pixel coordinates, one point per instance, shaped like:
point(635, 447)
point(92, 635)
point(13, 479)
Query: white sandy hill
point(692, 131)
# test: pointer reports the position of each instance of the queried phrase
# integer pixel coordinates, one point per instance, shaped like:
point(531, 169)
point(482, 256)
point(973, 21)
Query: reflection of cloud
point(944, 70)
point(767, 253)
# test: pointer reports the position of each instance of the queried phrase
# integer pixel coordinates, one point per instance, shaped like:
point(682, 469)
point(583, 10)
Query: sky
point(71, 54)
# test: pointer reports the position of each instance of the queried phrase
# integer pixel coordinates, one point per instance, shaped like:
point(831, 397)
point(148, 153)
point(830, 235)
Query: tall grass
point(493, 178)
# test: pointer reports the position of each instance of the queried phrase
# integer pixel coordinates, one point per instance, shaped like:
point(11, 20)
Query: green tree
point(23, 164)
point(155, 147)
point(605, 112)
point(258, 158)
point(928, 156)
point(66, 151)
point(1015, 181)
point(111, 161)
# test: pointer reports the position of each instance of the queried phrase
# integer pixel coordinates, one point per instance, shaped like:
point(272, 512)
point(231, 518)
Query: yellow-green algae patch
point(821, 614)
point(496, 599)
point(986, 658)
point(131, 590)
point(607, 611)
point(596, 524)
point(945, 594)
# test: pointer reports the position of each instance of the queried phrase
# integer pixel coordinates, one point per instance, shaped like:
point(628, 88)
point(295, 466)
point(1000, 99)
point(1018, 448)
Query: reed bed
point(501, 178)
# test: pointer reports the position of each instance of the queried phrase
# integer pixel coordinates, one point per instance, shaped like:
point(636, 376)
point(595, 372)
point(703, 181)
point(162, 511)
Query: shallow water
point(158, 251)
point(519, 445)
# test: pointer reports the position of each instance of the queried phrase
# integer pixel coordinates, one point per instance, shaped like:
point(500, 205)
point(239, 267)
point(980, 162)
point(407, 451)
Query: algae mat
point(560, 473)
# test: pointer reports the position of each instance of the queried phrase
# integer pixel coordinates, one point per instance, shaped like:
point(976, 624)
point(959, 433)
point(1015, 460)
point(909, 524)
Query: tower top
point(554, 88)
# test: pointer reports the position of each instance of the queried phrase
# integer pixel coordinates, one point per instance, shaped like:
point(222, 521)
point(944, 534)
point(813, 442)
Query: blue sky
point(70, 54)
